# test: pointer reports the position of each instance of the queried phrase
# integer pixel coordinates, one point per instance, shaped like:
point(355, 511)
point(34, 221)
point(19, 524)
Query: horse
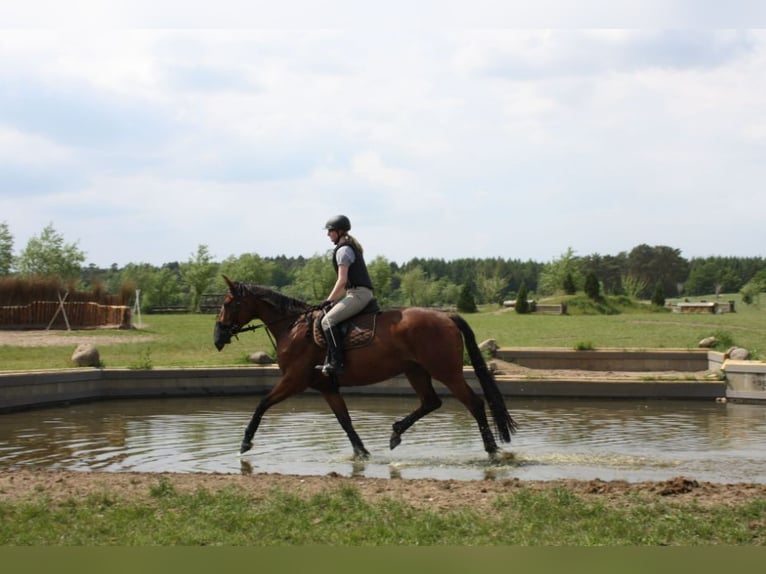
point(421, 343)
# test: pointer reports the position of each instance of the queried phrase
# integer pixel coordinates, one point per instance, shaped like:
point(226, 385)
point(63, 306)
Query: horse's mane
point(284, 304)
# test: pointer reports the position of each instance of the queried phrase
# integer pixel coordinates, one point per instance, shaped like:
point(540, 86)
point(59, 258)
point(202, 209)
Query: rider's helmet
point(338, 223)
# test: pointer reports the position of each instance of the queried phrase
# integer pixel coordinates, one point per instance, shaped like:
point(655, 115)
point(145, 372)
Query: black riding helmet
point(338, 223)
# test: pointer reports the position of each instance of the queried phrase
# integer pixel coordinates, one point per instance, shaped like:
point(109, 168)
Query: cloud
point(437, 142)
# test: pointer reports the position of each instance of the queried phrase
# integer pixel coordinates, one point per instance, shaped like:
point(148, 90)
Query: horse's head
point(230, 318)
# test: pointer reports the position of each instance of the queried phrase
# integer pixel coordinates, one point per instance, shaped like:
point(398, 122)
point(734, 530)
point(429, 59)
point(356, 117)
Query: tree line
point(640, 273)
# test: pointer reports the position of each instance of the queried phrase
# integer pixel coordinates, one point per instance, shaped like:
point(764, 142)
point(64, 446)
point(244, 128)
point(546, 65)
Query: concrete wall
point(746, 380)
point(609, 360)
point(38, 389)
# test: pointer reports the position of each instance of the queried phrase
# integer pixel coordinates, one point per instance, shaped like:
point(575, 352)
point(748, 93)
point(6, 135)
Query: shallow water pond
point(558, 438)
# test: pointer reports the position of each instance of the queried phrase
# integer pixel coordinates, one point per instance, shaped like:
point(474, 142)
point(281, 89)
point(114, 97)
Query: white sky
point(441, 132)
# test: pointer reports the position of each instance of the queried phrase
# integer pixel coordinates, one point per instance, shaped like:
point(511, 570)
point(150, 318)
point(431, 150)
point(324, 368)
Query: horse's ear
point(229, 283)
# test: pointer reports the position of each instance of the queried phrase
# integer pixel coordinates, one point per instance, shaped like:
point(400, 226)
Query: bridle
point(234, 328)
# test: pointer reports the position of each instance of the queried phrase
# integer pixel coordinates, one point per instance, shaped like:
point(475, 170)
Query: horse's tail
point(506, 426)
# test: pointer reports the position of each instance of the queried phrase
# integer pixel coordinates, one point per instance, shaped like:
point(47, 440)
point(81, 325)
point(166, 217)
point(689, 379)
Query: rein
point(254, 328)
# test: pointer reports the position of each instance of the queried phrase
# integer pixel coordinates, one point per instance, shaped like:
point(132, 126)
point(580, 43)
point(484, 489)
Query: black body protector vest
point(358, 275)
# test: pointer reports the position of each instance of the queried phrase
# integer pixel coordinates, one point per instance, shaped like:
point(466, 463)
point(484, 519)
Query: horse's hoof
point(361, 454)
point(396, 440)
point(502, 456)
point(245, 446)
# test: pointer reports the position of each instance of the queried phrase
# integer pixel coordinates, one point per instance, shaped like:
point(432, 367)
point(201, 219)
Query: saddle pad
point(359, 330)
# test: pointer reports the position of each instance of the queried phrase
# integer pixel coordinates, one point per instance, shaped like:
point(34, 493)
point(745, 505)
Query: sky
point(142, 130)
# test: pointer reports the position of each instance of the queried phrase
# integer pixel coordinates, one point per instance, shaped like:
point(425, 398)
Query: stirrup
point(330, 369)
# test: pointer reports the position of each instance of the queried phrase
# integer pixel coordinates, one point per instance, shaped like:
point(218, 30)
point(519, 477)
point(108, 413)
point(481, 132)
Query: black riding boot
point(333, 364)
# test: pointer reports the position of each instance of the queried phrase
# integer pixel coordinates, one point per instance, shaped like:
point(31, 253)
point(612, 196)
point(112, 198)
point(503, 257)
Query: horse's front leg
point(255, 421)
point(285, 388)
point(338, 406)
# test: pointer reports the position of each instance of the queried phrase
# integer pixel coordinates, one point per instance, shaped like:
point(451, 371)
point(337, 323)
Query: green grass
point(631, 329)
point(187, 340)
point(556, 517)
point(173, 341)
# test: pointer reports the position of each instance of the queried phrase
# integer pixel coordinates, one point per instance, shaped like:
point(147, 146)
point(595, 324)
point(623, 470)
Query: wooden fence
point(40, 315)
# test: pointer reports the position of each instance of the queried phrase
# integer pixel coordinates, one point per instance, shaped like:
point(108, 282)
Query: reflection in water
point(558, 438)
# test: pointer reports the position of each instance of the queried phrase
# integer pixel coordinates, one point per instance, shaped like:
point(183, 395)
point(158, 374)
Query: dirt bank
point(421, 493)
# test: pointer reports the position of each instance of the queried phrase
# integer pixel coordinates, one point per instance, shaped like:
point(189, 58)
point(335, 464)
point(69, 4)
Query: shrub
point(522, 304)
point(569, 285)
point(466, 302)
point(592, 287)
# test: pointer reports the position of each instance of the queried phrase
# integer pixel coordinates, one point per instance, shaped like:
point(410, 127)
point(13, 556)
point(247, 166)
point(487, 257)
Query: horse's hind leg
point(338, 406)
point(475, 405)
point(429, 402)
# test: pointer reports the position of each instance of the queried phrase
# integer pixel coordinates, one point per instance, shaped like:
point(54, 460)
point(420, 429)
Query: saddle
point(358, 331)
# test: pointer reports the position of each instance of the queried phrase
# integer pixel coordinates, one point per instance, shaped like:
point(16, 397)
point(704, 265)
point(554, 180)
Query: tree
point(569, 285)
point(198, 273)
point(159, 287)
point(314, 280)
point(48, 255)
point(633, 286)
point(466, 302)
point(658, 297)
point(491, 287)
point(554, 274)
point(416, 287)
point(247, 268)
point(752, 290)
point(592, 287)
point(658, 263)
point(608, 269)
point(380, 274)
point(522, 304)
point(6, 249)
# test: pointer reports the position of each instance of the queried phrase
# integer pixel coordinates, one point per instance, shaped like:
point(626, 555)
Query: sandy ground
point(59, 338)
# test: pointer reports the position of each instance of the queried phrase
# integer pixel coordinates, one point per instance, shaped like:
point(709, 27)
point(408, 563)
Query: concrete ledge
point(683, 360)
point(746, 380)
point(43, 388)
point(27, 390)
point(613, 389)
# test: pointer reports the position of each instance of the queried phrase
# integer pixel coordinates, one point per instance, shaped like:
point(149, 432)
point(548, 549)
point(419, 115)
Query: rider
point(350, 294)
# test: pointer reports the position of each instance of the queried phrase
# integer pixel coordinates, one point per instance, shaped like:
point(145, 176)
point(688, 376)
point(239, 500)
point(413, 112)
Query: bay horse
point(424, 344)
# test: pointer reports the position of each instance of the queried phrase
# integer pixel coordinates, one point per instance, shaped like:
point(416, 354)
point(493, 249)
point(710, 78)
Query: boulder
point(490, 345)
point(738, 354)
point(86, 355)
point(708, 343)
point(260, 358)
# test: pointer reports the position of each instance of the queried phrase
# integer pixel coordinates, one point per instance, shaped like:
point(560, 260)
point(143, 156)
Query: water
point(558, 438)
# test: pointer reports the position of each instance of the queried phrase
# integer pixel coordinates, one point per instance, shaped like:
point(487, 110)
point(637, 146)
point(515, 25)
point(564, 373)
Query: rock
point(739, 354)
point(86, 355)
point(260, 358)
point(708, 343)
point(489, 345)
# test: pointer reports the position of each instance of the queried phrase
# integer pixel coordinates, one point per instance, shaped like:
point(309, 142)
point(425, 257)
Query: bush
point(569, 285)
point(466, 302)
point(522, 303)
point(592, 287)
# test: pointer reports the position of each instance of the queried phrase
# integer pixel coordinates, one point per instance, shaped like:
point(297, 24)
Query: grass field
point(187, 340)
point(555, 517)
